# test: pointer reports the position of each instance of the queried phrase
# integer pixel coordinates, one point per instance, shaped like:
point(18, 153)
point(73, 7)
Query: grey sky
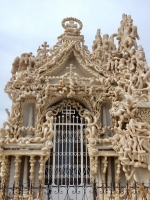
point(25, 25)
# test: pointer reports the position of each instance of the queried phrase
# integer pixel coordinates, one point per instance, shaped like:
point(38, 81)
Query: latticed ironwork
point(77, 192)
point(69, 161)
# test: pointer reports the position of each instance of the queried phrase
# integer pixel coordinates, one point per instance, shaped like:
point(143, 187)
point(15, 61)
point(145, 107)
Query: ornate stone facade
point(108, 87)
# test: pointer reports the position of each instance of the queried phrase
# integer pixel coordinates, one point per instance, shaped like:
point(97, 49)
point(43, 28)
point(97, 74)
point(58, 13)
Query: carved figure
point(15, 65)
point(127, 34)
point(108, 43)
point(47, 127)
point(92, 127)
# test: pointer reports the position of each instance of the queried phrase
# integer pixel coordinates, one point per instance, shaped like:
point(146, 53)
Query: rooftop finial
point(72, 26)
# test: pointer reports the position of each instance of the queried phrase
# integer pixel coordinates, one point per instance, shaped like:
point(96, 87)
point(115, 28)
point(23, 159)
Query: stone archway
point(69, 162)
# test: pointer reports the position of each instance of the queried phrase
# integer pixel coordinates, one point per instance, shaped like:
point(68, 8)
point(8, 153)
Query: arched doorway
point(68, 164)
point(69, 161)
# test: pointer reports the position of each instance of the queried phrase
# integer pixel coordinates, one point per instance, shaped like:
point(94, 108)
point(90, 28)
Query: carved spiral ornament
point(49, 144)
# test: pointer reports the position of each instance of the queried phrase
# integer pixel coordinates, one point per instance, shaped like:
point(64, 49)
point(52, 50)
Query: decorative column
point(3, 170)
point(7, 170)
point(3, 175)
point(41, 178)
point(41, 171)
point(32, 167)
point(103, 170)
point(109, 172)
point(93, 167)
point(117, 177)
point(25, 178)
point(16, 177)
point(118, 171)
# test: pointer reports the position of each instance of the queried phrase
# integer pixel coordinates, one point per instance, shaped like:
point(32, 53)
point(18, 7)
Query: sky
point(26, 24)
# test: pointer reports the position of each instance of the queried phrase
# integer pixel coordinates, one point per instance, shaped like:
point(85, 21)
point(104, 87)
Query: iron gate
point(68, 164)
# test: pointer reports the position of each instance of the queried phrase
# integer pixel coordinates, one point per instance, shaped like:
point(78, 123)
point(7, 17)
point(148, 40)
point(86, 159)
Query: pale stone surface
point(69, 74)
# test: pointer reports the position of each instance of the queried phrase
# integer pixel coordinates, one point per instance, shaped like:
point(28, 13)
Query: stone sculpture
point(118, 75)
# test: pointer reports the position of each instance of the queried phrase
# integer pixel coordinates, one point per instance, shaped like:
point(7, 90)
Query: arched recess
point(105, 116)
point(29, 114)
point(69, 160)
point(109, 176)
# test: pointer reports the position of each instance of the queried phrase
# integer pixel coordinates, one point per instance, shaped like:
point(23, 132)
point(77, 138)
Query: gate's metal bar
point(77, 147)
point(62, 163)
point(73, 153)
point(86, 165)
point(69, 147)
point(54, 150)
point(81, 153)
point(66, 153)
point(58, 152)
point(48, 168)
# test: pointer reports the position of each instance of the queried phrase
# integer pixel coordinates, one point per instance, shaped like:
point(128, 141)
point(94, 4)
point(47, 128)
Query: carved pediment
point(78, 69)
point(70, 49)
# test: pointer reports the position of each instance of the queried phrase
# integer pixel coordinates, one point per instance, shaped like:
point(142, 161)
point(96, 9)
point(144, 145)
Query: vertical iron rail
point(94, 190)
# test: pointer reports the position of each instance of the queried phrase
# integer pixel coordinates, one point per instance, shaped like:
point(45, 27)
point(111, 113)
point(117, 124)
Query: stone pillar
point(103, 170)
point(4, 174)
point(117, 170)
point(7, 170)
point(32, 166)
point(41, 171)
point(99, 181)
point(3, 170)
point(117, 177)
point(41, 178)
point(25, 178)
point(17, 177)
point(32, 171)
point(109, 172)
